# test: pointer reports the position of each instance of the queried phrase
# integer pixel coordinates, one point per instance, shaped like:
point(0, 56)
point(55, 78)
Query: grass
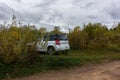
point(44, 63)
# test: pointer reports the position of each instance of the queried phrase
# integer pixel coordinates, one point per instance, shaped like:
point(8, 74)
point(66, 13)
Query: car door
point(42, 45)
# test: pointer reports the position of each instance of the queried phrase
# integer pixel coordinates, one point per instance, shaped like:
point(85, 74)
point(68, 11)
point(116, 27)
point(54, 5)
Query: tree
point(97, 37)
point(14, 21)
point(13, 43)
point(77, 39)
point(56, 30)
point(77, 29)
point(42, 31)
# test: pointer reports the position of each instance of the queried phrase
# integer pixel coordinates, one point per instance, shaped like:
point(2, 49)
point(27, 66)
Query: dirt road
point(106, 71)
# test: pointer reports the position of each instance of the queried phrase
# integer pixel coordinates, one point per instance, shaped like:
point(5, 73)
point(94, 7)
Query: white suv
point(53, 43)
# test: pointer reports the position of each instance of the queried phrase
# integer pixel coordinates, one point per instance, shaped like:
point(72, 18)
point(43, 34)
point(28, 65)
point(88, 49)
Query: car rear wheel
point(65, 52)
point(51, 50)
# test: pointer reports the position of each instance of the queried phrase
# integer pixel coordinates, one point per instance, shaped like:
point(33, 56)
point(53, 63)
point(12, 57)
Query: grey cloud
point(83, 4)
point(113, 10)
point(56, 16)
point(92, 17)
point(52, 17)
point(5, 12)
point(89, 4)
point(73, 20)
point(4, 8)
point(76, 1)
point(46, 3)
point(3, 17)
point(70, 12)
point(18, 1)
point(28, 17)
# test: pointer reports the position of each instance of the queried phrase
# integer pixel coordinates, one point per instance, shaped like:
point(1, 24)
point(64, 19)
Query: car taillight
point(57, 42)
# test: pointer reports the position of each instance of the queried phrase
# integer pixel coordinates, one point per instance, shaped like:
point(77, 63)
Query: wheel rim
point(51, 51)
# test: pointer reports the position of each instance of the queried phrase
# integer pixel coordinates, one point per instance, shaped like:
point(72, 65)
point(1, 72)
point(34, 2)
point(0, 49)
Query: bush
point(77, 39)
point(94, 37)
point(13, 43)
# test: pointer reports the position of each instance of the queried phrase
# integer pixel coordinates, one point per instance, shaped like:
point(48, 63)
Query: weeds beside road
point(104, 71)
point(44, 63)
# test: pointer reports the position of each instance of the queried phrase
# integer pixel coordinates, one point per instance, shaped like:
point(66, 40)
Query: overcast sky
point(61, 12)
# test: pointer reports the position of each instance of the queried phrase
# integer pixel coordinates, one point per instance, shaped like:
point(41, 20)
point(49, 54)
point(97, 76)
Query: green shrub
point(13, 43)
point(94, 37)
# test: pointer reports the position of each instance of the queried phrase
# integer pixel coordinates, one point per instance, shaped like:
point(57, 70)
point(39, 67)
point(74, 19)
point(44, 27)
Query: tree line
point(13, 39)
point(95, 36)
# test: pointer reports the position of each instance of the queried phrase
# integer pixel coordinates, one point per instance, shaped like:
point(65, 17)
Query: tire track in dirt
point(106, 71)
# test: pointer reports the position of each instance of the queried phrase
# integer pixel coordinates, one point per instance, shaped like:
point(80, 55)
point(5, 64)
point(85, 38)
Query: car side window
point(53, 37)
point(63, 37)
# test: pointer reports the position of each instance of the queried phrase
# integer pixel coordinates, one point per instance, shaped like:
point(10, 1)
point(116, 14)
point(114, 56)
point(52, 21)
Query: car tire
point(51, 51)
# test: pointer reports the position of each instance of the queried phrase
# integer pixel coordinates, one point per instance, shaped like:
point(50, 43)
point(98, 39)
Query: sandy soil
point(106, 71)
